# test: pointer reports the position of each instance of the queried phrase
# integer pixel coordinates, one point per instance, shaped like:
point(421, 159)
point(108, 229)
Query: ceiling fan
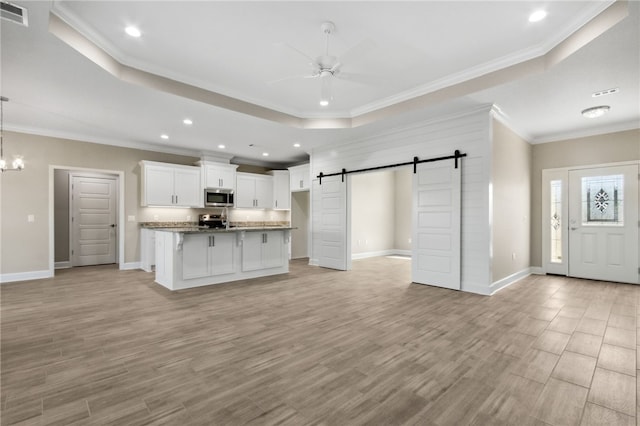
point(326, 67)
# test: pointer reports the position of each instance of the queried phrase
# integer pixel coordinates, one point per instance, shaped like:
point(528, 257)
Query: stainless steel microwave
point(218, 197)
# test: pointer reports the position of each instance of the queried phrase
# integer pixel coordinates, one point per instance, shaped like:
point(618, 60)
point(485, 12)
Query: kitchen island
point(194, 257)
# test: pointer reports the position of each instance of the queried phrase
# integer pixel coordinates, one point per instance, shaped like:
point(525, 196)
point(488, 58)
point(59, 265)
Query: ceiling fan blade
point(309, 59)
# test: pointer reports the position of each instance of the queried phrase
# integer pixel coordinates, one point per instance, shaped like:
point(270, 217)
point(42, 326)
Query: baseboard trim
point(62, 265)
point(314, 262)
point(25, 276)
point(537, 270)
point(507, 281)
point(390, 252)
point(130, 265)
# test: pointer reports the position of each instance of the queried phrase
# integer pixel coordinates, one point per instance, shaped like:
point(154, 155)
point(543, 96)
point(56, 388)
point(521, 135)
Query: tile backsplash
point(160, 214)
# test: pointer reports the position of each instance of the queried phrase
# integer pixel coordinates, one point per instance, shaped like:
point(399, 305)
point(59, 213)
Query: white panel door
point(436, 224)
point(332, 223)
point(93, 227)
point(603, 223)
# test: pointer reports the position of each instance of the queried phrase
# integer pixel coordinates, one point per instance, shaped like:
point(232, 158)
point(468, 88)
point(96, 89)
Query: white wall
point(470, 133)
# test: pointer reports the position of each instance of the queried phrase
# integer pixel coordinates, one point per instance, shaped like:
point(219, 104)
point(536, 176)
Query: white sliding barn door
point(436, 224)
point(334, 248)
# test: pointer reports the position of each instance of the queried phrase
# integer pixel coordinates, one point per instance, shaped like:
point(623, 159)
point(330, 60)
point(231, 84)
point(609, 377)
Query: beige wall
point(24, 245)
point(601, 149)
point(372, 212)
point(511, 180)
point(381, 211)
point(403, 207)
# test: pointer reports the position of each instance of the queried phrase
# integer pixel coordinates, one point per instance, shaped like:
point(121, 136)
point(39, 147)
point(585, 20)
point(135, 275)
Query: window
point(602, 200)
point(556, 221)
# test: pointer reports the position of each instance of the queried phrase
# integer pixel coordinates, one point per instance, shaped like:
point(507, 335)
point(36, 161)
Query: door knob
point(113, 225)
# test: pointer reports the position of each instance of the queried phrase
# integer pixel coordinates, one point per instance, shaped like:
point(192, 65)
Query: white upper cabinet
point(219, 176)
point(300, 178)
point(170, 185)
point(281, 193)
point(254, 191)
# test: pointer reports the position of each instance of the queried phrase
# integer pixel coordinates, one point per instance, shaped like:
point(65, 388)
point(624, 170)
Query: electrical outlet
point(513, 256)
point(188, 218)
point(155, 217)
point(31, 218)
point(131, 218)
point(409, 240)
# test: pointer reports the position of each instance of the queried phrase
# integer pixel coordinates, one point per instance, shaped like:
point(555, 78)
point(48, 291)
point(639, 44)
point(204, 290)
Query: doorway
point(381, 213)
point(93, 207)
point(300, 221)
point(86, 217)
point(590, 222)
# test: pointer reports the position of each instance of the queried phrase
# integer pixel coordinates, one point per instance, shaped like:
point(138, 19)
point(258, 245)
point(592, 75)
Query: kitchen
point(220, 247)
point(174, 196)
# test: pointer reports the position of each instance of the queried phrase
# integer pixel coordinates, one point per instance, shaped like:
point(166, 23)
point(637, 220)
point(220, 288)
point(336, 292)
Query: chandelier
point(17, 163)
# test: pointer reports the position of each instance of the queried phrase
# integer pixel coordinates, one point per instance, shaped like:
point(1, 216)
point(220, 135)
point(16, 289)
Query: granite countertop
point(202, 229)
point(192, 227)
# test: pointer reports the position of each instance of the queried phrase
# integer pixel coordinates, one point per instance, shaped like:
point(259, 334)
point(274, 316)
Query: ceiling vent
point(14, 13)
point(605, 92)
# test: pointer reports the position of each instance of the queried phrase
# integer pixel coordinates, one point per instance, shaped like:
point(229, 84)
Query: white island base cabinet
point(185, 260)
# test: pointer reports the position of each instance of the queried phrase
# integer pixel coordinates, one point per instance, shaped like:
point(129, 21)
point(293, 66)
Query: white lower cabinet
point(187, 259)
point(147, 249)
point(206, 255)
point(262, 250)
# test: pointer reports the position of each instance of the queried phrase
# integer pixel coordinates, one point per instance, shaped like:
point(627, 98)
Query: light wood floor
point(99, 346)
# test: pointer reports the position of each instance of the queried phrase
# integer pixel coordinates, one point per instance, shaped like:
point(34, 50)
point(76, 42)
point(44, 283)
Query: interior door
point(332, 223)
point(93, 220)
point(436, 224)
point(603, 223)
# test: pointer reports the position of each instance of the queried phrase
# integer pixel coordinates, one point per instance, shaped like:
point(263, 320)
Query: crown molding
point(583, 133)
point(77, 137)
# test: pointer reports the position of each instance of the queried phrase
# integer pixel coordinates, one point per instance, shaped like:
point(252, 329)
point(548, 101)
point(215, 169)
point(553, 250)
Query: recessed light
point(133, 31)
point(296, 145)
point(187, 122)
point(163, 136)
point(324, 102)
point(595, 112)
point(221, 146)
point(538, 16)
point(265, 154)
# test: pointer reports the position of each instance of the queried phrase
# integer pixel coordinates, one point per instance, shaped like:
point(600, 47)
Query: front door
point(93, 220)
point(603, 223)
